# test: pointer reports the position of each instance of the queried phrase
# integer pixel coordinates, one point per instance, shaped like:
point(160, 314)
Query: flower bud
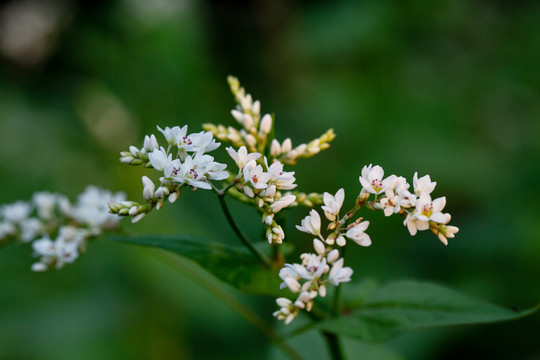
point(250, 140)
point(148, 188)
point(275, 148)
point(256, 108)
point(286, 146)
point(266, 124)
point(332, 256)
point(319, 246)
point(248, 122)
point(238, 116)
point(150, 143)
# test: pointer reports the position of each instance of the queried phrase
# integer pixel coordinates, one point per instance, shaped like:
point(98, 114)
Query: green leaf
point(400, 306)
point(231, 264)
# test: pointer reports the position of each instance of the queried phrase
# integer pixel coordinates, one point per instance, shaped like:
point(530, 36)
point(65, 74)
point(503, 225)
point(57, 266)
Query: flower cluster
point(263, 185)
point(419, 210)
point(183, 163)
point(391, 195)
point(49, 215)
point(325, 265)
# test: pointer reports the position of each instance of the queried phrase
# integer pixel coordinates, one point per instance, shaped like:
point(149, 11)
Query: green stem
point(239, 233)
point(334, 346)
point(209, 284)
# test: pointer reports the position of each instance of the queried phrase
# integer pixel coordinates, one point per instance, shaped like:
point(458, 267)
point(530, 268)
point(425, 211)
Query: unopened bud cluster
point(254, 132)
point(57, 229)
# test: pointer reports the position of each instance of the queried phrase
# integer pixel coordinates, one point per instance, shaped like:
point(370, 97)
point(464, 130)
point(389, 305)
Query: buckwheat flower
point(390, 203)
point(6, 229)
point(216, 171)
point(413, 224)
point(92, 208)
point(171, 169)
point(203, 142)
point(242, 157)
point(159, 159)
point(58, 252)
point(372, 179)
point(431, 210)
point(332, 204)
point(311, 224)
point(339, 274)
point(191, 175)
point(406, 198)
point(16, 212)
point(45, 204)
point(283, 180)
point(255, 175)
point(30, 229)
point(282, 203)
point(174, 136)
point(424, 185)
point(358, 235)
point(312, 267)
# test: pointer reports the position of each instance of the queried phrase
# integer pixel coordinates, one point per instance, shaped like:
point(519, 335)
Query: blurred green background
point(449, 88)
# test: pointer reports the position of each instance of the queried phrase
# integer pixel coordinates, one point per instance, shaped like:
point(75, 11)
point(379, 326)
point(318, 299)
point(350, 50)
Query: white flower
point(332, 204)
point(242, 157)
point(423, 185)
point(6, 229)
point(283, 180)
point(282, 203)
point(312, 267)
point(339, 274)
point(216, 171)
point(413, 224)
point(45, 204)
point(191, 174)
point(159, 159)
point(358, 235)
point(255, 175)
point(16, 212)
point(30, 228)
point(174, 136)
point(390, 203)
point(431, 210)
point(203, 142)
point(311, 224)
point(92, 208)
point(372, 179)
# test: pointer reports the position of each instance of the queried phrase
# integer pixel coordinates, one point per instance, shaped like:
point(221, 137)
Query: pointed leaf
point(400, 306)
point(231, 264)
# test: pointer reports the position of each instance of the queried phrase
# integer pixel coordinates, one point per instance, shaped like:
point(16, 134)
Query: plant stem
point(334, 346)
point(210, 285)
point(239, 233)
